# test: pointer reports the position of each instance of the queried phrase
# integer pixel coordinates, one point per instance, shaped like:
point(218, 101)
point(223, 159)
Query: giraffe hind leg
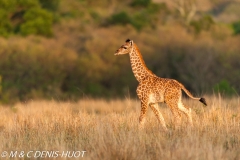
point(154, 107)
point(176, 113)
point(186, 111)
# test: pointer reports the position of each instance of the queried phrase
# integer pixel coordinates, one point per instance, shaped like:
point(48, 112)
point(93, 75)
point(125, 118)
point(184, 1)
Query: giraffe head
point(126, 48)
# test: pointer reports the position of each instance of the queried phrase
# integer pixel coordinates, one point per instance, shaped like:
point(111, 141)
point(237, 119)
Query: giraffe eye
point(125, 47)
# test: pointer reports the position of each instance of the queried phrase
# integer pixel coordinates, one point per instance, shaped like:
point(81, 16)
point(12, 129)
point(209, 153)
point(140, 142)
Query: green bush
point(204, 23)
point(149, 15)
point(51, 5)
point(141, 3)
point(27, 4)
point(236, 27)
point(37, 21)
point(5, 25)
point(27, 17)
point(8, 5)
point(224, 87)
point(140, 20)
point(121, 18)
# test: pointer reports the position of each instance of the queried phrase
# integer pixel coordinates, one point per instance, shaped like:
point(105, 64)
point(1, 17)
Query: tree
point(27, 17)
point(186, 8)
point(37, 21)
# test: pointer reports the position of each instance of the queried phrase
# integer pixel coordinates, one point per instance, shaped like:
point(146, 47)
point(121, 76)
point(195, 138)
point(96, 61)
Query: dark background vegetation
point(63, 49)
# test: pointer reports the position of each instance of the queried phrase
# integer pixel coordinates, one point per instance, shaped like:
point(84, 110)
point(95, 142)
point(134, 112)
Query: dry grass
point(109, 130)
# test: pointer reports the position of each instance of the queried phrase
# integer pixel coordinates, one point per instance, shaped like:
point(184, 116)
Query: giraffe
point(153, 89)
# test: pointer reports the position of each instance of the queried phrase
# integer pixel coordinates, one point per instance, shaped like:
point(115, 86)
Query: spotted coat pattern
point(153, 89)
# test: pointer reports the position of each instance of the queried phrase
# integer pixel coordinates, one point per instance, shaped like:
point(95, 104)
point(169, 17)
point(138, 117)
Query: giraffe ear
point(131, 42)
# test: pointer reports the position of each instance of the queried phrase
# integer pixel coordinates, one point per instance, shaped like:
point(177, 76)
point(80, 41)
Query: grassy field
point(109, 130)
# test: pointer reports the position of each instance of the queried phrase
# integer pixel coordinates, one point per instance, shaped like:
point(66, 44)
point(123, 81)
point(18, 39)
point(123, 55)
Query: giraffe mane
point(141, 59)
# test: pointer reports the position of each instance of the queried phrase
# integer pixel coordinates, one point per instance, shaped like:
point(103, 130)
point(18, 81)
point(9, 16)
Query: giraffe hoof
point(164, 129)
point(141, 127)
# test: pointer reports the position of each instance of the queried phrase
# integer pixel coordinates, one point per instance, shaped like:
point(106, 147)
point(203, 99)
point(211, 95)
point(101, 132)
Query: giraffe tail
point(203, 100)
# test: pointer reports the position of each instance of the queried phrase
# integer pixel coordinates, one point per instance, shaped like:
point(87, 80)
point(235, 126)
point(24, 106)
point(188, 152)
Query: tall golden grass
point(108, 129)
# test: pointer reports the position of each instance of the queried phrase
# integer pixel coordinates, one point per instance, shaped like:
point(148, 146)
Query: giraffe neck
point(139, 67)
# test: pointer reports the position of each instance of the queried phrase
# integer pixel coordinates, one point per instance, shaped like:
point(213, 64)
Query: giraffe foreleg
point(154, 107)
point(142, 117)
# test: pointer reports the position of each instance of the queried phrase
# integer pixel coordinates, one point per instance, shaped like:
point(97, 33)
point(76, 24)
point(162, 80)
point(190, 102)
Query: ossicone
point(128, 40)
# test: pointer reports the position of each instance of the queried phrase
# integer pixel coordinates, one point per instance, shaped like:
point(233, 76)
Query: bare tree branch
point(186, 8)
